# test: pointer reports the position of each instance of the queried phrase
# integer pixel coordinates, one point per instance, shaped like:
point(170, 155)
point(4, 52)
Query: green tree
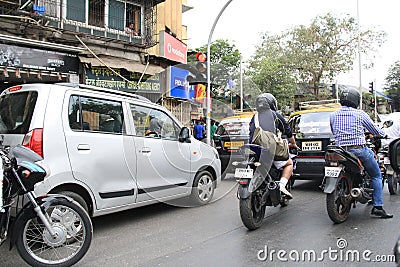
point(319, 52)
point(267, 69)
point(392, 85)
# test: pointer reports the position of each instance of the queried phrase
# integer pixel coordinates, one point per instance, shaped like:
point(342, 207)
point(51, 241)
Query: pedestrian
point(130, 29)
point(199, 130)
point(348, 126)
point(270, 120)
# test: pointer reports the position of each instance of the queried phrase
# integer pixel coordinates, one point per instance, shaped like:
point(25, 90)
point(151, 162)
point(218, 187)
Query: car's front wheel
point(203, 188)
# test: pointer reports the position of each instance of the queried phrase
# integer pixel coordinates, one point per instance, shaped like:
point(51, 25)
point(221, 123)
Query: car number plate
point(386, 161)
point(332, 171)
point(311, 145)
point(234, 144)
point(243, 173)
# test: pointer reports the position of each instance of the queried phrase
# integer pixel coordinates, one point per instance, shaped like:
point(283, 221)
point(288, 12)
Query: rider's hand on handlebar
point(294, 146)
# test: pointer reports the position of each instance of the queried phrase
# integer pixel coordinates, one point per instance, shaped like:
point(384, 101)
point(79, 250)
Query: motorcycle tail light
point(243, 182)
point(334, 157)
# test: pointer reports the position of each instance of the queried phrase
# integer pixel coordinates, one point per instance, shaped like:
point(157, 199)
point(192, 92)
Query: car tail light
point(34, 141)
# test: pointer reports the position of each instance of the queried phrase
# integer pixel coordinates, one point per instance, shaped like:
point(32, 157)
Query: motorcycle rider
point(270, 120)
point(347, 125)
point(392, 131)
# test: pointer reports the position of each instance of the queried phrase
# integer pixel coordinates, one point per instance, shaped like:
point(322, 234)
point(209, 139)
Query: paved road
point(213, 235)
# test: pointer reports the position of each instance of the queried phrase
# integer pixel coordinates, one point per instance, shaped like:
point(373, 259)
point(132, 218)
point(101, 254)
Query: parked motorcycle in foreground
point(258, 185)
point(345, 183)
point(50, 230)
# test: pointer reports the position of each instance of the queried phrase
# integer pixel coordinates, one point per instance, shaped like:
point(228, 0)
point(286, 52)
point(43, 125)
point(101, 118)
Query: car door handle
point(83, 147)
point(145, 150)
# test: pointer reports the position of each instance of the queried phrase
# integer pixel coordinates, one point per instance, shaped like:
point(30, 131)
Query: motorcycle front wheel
point(252, 211)
point(73, 230)
point(338, 203)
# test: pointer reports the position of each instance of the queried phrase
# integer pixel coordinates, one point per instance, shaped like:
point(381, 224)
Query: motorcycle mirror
point(387, 124)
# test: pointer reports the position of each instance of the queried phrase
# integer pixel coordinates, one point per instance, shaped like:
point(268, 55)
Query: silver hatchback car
point(109, 150)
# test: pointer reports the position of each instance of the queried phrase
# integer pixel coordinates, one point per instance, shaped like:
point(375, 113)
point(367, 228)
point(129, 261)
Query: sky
point(243, 21)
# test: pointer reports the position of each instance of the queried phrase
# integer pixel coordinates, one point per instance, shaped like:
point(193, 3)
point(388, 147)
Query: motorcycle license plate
point(243, 173)
point(332, 171)
point(386, 161)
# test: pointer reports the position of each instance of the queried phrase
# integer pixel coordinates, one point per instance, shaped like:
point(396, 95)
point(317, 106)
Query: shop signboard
point(104, 77)
point(178, 86)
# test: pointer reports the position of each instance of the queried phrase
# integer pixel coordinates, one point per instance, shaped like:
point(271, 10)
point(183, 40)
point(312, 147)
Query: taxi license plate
point(234, 144)
point(332, 171)
point(311, 145)
point(243, 173)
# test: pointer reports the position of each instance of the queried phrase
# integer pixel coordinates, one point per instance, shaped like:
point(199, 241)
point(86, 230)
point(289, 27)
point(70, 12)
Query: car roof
point(245, 116)
point(314, 111)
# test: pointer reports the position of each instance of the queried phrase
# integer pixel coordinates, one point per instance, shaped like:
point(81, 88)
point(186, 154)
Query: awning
point(383, 95)
point(119, 63)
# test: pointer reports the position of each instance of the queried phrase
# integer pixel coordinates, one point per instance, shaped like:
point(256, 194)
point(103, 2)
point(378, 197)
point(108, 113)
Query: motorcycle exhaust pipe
point(355, 192)
point(360, 195)
point(274, 192)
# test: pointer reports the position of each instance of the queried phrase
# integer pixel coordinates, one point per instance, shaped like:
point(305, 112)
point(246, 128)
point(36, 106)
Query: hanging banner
point(38, 59)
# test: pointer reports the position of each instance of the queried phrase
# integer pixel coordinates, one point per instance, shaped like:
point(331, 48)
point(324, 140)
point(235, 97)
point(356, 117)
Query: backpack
point(270, 140)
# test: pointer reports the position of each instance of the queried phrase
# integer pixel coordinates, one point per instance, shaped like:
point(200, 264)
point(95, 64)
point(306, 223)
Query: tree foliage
point(392, 85)
point(268, 71)
point(327, 47)
point(316, 54)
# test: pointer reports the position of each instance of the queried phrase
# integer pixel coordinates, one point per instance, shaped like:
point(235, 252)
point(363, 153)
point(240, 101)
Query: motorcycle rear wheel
point(392, 181)
point(338, 203)
point(251, 211)
point(74, 234)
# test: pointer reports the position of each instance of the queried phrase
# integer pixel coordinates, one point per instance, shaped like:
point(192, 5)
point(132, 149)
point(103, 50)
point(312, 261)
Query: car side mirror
point(184, 135)
point(394, 155)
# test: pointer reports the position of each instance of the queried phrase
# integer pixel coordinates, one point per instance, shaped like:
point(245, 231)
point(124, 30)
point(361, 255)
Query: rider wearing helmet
point(348, 125)
point(270, 120)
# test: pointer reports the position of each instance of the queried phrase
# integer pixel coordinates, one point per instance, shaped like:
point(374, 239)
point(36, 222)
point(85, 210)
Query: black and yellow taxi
point(311, 128)
point(232, 133)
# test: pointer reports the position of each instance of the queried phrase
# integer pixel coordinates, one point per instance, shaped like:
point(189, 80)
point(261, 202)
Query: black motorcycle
point(345, 183)
point(49, 230)
point(258, 185)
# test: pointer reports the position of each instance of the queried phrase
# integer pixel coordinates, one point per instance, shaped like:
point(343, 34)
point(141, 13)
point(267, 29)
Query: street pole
point(241, 85)
point(359, 55)
point(208, 72)
point(376, 108)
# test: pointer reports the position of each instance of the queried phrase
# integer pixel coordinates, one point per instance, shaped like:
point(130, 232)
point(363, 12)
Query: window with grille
point(121, 14)
point(96, 12)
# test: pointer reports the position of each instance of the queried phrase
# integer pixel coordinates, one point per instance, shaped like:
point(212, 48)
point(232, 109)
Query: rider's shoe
point(380, 213)
point(283, 189)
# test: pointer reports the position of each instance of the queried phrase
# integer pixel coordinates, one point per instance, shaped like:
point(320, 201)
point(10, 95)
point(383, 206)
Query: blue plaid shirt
point(348, 124)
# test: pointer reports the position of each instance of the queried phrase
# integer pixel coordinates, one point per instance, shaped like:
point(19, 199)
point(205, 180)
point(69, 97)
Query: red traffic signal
point(201, 57)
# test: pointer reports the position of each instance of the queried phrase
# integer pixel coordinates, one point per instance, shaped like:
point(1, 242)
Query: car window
point(95, 114)
point(16, 112)
point(233, 128)
point(153, 123)
point(307, 123)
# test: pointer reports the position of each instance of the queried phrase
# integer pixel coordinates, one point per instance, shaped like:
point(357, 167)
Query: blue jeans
point(372, 168)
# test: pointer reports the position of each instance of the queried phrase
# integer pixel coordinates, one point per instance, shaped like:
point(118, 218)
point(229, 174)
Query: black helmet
point(266, 101)
point(350, 97)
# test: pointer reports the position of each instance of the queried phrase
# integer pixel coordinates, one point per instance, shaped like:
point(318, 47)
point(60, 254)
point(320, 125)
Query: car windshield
point(233, 128)
point(317, 122)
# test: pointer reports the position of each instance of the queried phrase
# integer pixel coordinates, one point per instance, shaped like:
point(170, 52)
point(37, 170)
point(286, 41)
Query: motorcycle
point(258, 184)
point(345, 183)
point(388, 174)
point(49, 230)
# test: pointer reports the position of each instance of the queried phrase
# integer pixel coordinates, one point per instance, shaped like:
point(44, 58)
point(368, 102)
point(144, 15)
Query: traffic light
point(371, 87)
point(372, 102)
point(333, 86)
point(199, 74)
